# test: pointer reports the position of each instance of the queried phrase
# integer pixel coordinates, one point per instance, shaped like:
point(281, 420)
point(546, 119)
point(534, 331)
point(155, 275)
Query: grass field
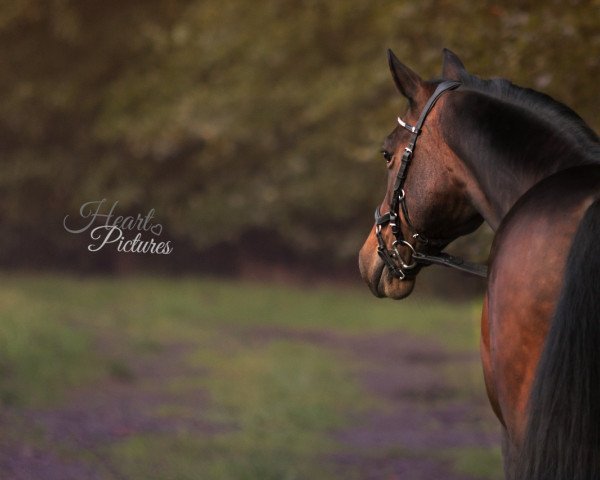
point(144, 378)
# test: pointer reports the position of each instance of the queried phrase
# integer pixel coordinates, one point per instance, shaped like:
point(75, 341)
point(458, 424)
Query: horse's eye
point(387, 155)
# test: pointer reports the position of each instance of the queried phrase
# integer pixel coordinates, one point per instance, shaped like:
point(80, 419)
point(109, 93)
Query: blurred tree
point(233, 117)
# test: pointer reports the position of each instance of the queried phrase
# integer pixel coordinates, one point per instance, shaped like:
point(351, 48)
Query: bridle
point(391, 257)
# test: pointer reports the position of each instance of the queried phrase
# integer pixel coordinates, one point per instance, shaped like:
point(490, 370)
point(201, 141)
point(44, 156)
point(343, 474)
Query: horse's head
point(426, 205)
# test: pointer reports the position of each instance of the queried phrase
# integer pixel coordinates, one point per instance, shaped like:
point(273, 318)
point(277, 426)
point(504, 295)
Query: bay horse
point(470, 150)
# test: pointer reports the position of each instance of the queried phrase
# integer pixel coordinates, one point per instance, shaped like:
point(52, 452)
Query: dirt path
point(93, 417)
point(426, 409)
point(423, 412)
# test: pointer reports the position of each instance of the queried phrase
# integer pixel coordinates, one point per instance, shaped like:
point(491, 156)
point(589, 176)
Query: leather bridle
point(391, 257)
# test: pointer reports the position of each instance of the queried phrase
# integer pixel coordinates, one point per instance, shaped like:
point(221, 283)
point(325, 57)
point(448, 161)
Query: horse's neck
point(506, 152)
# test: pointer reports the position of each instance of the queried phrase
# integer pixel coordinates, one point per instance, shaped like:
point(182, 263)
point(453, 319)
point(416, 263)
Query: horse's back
point(527, 265)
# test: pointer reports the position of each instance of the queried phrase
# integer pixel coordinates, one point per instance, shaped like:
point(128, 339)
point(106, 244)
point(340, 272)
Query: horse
point(470, 150)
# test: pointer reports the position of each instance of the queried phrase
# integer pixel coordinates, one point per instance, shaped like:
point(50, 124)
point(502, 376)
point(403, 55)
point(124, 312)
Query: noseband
point(392, 258)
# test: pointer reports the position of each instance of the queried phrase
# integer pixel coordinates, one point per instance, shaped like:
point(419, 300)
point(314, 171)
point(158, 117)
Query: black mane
point(512, 137)
point(563, 119)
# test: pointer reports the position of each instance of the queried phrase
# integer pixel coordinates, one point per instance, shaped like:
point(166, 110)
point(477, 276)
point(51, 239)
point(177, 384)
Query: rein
point(392, 258)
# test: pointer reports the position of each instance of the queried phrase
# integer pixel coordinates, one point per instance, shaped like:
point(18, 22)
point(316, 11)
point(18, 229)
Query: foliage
point(230, 117)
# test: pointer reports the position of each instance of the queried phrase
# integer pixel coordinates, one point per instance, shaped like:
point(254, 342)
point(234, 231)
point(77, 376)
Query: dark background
point(252, 128)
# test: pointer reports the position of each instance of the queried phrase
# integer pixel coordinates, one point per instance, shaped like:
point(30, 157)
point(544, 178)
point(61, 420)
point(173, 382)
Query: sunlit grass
point(49, 323)
point(41, 350)
point(276, 399)
point(477, 462)
point(276, 405)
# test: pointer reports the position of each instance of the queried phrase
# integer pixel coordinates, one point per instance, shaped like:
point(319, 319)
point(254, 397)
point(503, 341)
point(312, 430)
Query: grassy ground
point(160, 378)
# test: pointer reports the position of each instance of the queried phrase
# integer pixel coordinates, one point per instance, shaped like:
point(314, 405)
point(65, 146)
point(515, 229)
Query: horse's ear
point(453, 68)
point(407, 81)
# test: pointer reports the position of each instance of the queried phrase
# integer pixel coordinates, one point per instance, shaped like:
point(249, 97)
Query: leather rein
point(391, 257)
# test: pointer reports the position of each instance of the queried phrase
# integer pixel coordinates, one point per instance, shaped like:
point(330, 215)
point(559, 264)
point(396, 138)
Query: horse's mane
point(564, 121)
